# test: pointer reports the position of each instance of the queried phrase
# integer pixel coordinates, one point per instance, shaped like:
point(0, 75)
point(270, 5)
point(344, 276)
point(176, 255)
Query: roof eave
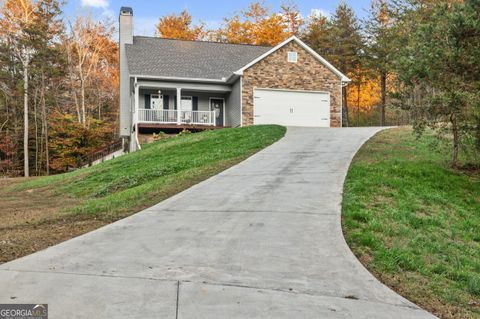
point(180, 79)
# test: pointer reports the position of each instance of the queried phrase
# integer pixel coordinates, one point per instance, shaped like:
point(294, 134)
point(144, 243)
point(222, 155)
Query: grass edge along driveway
point(39, 212)
point(415, 223)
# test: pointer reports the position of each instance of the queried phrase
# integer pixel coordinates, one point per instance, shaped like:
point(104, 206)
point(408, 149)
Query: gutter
point(180, 79)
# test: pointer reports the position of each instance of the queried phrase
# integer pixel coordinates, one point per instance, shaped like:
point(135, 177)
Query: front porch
point(171, 107)
point(160, 104)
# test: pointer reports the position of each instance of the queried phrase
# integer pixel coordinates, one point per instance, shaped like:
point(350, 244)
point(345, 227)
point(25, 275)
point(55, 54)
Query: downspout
point(342, 85)
point(136, 114)
point(136, 138)
point(241, 100)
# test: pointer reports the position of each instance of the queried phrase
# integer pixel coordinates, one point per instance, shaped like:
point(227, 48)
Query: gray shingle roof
point(188, 59)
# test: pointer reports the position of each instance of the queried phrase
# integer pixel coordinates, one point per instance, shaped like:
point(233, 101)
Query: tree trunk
point(358, 103)
point(82, 88)
point(383, 84)
point(82, 97)
point(77, 107)
point(35, 121)
point(345, 107)
point(26, 165)
point(45, 126)
point(456, 139)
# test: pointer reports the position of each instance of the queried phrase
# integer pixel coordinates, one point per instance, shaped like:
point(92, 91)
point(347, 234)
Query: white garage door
point(291, 108)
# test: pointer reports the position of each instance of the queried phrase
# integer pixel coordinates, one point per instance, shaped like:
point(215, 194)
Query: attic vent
point(292, 57)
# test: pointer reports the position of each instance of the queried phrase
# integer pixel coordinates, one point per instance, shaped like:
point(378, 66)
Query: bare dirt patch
point(33, 220)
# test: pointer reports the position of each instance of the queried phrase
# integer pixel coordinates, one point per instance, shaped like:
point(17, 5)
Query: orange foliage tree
point(180, 27)
point(363, 97)
point(71, 140)
point(258, 25)
point(365, 100)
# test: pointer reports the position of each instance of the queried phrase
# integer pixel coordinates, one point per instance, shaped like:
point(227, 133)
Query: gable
point(300, 46)
point(307, 74)
point(307, 67)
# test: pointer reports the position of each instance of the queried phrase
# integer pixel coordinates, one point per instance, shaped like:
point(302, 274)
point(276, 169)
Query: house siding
point(233, 106)
point(275, 72)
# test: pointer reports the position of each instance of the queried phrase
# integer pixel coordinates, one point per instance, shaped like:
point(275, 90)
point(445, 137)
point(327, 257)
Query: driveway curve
point(262, 239)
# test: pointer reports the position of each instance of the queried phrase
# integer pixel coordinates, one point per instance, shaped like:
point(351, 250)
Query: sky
point(147, 12)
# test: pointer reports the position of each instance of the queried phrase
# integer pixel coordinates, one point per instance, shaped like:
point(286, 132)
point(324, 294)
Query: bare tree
point(84, 48)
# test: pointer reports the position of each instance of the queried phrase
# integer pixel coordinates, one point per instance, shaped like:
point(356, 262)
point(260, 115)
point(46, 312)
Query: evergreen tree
point(380, 47)
point(317, 35)
point(438, 67)
point(339, 41)
point(346, 45)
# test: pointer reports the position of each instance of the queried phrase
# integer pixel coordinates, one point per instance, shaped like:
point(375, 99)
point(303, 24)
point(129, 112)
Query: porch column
point(136, 108)
point(179, 106)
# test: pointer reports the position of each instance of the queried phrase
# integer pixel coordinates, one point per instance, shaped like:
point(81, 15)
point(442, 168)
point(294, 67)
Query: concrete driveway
point(260, 240)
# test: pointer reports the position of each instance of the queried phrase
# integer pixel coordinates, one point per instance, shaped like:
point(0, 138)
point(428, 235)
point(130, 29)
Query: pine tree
point(346, 46)
point(438, 67)
point(380, 47)
point(317, 35)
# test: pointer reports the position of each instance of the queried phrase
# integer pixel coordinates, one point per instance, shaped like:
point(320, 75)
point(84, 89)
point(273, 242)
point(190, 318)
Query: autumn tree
point(71, 141)
point(292, 18)
point(180, 27)
point(258, 25)
point(40, 67)
point(47, 66)
point(86, 46)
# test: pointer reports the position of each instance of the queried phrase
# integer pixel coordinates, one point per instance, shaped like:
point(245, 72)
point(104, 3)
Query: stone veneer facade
point(275, 72)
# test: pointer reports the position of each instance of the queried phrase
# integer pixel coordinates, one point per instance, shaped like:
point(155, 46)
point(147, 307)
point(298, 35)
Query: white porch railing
point(198, 117)
point(171, 117)
point(157, 116)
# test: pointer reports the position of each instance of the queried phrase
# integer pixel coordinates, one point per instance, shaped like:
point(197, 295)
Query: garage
point(292, 108)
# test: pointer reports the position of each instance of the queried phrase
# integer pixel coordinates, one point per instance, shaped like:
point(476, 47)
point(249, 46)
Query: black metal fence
point(88, 159)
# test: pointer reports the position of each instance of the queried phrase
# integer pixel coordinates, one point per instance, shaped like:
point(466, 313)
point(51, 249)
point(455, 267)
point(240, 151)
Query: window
point(292, 57)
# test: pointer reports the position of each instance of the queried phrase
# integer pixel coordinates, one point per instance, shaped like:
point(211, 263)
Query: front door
point(217, 106)
point(186, 108)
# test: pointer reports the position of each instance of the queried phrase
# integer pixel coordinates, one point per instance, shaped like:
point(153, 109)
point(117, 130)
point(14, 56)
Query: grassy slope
point(117, 188)
point(415, 223)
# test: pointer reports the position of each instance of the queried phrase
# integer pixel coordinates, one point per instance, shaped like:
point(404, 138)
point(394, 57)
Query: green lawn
point(38, 212)
point(415, 223)
point(148, 176)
